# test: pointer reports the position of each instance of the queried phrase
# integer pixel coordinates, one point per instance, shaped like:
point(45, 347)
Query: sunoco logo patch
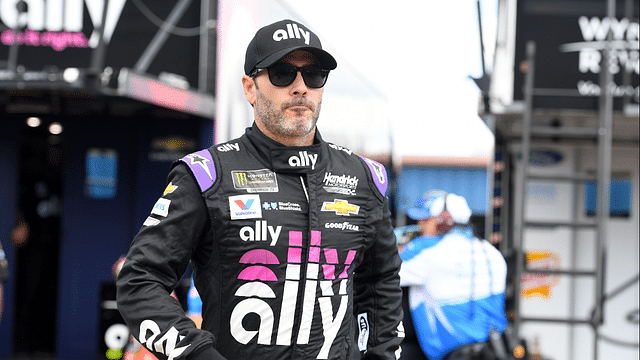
point(255, 180)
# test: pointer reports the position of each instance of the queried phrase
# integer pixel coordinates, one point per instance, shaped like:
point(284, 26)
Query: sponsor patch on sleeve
point(161, 207)
point(169, 189)
point(151, 221)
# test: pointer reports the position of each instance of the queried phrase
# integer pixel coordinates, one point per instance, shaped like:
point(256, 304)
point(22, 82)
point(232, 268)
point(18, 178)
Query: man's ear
point(249, 86)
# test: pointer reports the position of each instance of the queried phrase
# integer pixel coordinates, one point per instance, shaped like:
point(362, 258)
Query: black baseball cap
point(273, 42)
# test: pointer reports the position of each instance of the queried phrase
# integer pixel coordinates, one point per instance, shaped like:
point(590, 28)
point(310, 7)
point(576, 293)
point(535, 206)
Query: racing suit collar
point(288, 159)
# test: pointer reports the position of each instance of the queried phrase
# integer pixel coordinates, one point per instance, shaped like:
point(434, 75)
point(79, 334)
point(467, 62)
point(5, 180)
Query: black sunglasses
point(284, 74)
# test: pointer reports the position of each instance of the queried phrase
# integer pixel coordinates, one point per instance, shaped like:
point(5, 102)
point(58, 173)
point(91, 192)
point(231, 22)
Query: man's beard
point(275, 120)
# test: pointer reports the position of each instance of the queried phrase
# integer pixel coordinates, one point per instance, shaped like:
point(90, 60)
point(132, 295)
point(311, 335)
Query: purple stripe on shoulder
point(201, 164)
point(379, 174)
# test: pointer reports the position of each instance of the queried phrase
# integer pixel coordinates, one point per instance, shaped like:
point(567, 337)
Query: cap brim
point(326, 60)
point(418, 213)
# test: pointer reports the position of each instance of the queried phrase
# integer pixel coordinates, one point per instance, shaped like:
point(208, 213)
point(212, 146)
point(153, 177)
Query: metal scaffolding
point(516, 133)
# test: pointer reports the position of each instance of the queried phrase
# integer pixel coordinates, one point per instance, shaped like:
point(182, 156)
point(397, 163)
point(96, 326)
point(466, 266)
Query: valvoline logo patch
point(245, 207)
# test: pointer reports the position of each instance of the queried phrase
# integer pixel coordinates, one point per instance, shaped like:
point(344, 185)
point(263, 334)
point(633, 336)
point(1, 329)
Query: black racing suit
point(293, 253)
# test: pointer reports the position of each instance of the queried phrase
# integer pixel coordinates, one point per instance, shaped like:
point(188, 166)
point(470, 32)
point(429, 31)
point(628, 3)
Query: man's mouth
point(298, 106)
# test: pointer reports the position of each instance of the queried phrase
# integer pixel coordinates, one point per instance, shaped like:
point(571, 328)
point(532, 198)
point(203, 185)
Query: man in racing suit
point(289, 237)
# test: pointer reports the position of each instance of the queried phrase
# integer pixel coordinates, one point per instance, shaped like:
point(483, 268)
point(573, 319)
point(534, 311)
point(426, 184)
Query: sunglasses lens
point(314, 77)
point(284, 74)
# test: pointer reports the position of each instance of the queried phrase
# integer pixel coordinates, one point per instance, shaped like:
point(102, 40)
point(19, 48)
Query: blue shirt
point(456, 290)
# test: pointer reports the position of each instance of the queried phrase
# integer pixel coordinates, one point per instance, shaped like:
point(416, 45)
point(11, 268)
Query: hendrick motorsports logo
point(344, 184)
point(255, 180)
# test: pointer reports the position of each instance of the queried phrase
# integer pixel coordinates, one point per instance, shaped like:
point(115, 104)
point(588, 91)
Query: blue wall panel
point(8, 189)
point(97, 231)
point(414, 181)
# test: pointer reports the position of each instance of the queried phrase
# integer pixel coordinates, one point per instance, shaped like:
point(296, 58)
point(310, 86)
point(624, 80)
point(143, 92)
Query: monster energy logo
point(241, 178)
point(263, 180)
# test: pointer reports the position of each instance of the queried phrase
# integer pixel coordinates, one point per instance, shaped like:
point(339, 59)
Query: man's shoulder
point(419, 245)
point(340, 149)
point(375, 169)
point(202, 167)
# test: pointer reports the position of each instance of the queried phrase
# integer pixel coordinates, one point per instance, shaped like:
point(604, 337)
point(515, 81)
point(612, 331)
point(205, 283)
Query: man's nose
point(298, 87)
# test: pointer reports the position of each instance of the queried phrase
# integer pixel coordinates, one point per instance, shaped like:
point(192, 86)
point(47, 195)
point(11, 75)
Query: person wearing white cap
point(456, 281)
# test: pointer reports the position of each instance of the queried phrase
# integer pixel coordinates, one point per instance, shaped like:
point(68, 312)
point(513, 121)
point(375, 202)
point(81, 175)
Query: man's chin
point(299, 128)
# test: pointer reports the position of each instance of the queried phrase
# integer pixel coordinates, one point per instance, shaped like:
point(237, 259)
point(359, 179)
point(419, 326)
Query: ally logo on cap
point(292, 31)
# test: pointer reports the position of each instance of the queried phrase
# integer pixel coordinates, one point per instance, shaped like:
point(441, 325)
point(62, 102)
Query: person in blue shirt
point(456, 281)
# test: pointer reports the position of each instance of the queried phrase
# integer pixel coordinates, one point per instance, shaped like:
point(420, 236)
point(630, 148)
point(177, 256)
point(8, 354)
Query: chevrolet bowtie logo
point(341, 207)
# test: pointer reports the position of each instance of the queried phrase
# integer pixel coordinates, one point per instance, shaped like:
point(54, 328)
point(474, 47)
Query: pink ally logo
point(319, 276)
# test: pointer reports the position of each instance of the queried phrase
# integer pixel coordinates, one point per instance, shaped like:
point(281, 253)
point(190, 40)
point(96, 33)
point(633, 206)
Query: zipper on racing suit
point(307, 287)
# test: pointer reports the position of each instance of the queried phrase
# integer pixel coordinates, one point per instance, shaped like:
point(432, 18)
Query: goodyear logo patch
point(253, 181)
